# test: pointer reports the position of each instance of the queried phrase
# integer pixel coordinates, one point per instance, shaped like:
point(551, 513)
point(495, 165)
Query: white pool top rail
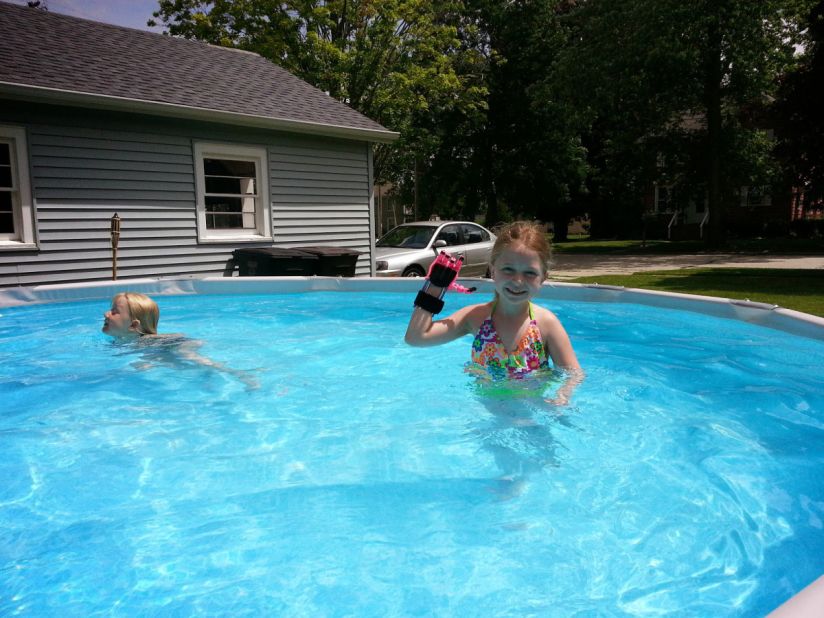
point(770, 316)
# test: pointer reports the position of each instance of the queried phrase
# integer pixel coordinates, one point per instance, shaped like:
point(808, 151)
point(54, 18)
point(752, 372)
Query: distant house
point(670, 211)
point(199, 149)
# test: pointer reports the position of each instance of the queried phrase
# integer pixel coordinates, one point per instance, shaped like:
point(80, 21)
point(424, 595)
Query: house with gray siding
point(199, 150)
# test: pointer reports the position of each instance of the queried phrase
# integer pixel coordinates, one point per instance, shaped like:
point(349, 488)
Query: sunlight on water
point(364, 477)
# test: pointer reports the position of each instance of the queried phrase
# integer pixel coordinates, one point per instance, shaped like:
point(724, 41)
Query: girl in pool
point(514, 339)
point(513, 336)
point(134, 317)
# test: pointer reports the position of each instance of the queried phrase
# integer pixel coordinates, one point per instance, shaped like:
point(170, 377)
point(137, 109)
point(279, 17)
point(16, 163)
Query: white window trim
point(657, 199)
point(23, 209)
point(263, 216)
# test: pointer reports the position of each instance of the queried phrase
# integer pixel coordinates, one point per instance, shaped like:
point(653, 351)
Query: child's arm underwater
point(189, 351)
point(572, 379)
point(175, 350)
point(560, 350)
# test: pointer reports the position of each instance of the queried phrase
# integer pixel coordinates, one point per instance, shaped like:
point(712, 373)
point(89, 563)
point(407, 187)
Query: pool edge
point(769, 316)
point(806, 604)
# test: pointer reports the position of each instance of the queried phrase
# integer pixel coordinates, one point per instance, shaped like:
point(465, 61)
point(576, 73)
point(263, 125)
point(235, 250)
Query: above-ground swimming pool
point(364, 477)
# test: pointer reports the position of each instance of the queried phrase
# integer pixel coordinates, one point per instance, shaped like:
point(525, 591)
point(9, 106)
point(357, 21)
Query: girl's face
point(117, 321)
point(518, 273)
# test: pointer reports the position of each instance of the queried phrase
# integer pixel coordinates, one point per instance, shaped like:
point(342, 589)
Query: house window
point(16, 205)
point(754, 197)
point(663, 199)
point(232, 200)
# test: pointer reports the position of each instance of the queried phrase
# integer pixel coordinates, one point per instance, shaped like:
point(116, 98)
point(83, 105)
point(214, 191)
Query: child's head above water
point(526, 234)
point(131, 314)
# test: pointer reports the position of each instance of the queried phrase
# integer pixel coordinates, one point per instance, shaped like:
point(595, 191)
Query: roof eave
point(40, 94)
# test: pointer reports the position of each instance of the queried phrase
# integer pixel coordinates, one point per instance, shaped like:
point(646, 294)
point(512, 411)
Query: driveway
point(570, 266)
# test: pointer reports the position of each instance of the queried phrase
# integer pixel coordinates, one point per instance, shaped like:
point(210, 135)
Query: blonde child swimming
point(131, 315)
point(512, 336)
point(134, 317)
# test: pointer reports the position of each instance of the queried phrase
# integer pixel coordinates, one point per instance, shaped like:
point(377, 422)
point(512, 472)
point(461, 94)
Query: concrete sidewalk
point(570, 266)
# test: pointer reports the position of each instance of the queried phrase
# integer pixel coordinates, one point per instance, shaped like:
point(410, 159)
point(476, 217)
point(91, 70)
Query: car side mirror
point(438, 244)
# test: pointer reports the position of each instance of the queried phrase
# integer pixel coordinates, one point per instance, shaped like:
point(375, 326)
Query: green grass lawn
point(802, 290)
point(807, 246)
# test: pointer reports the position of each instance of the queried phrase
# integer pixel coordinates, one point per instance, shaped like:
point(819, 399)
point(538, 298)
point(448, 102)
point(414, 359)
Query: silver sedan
point(409, 249)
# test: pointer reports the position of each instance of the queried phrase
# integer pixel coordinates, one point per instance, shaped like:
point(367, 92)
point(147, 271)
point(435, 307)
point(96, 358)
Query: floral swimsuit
point(488, 350)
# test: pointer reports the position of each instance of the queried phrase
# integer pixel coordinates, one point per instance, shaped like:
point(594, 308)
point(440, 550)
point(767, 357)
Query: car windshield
point(407, 236)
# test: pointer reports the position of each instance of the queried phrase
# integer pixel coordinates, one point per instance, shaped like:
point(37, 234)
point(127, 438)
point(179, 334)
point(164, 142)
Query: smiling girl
point(513, 336)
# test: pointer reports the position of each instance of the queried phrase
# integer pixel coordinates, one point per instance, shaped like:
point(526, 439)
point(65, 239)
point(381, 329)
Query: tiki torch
point(115, 240)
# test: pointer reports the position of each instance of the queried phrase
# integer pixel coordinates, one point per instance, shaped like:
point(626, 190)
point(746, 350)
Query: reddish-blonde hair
point(530, 235)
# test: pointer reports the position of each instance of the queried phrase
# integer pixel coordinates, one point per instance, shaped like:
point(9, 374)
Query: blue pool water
point(368, 478)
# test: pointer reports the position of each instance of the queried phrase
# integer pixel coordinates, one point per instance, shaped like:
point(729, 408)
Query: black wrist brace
point(429, 303)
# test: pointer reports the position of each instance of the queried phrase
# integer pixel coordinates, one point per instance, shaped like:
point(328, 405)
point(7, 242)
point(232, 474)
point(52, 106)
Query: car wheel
point(414, 271)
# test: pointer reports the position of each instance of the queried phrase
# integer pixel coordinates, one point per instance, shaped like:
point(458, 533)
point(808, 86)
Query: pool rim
point(761, 314)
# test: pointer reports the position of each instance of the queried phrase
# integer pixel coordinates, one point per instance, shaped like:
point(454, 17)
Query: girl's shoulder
point(474, 315)
point(544, 317)
point(470, 318)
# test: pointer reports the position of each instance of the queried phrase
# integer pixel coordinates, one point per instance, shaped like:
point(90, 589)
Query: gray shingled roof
point(44, 50)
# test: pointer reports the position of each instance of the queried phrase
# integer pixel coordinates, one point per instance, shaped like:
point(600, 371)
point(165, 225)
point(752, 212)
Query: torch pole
point(115, 240)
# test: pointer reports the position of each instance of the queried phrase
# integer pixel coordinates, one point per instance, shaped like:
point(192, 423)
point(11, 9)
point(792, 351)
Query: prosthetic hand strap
point(429, 303)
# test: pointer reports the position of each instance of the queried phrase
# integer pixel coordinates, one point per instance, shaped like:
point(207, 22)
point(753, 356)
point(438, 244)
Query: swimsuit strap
point(495, 304)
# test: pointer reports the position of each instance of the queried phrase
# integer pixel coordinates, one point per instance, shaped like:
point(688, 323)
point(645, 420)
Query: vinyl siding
point(85, 168)
point(320, 190)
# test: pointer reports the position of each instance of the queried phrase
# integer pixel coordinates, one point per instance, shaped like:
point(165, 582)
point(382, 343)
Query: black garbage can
point(333, 261)
point(274, 262)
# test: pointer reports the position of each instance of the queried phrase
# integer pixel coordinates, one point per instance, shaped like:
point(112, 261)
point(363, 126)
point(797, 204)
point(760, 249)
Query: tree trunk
point(716, 236)
point(560, 225)
point(493, 213)
point(417, 182)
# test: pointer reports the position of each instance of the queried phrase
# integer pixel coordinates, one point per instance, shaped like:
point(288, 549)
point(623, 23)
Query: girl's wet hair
point(144, 310)
point(530, 235)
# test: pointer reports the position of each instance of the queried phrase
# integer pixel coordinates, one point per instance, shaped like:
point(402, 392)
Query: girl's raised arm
point(423, 331)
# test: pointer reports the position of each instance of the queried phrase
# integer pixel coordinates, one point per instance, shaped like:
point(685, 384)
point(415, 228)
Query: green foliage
point(399, 62)
point(799, 114)
point(550, 108)
point(689, 80)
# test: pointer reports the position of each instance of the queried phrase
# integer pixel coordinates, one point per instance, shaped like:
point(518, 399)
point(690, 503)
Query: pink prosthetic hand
point(444, 271)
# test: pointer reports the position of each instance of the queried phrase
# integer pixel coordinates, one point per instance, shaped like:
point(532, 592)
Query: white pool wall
point(770, 316)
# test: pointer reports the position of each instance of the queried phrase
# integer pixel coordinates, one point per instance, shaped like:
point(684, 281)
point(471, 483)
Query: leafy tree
point(646, 68)
point(799, 114)
point(525, 158)
point(542, 164)
point(396, 61)
point(446, 179)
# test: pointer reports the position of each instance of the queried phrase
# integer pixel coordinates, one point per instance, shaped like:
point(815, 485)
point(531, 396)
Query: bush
point(807, 228)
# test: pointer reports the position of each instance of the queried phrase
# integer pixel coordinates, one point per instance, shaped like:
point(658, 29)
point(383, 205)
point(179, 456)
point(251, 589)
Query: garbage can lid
point(275, 252)
point(331, 251)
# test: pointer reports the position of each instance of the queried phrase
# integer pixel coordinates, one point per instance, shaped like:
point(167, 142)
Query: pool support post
point(115, 240)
